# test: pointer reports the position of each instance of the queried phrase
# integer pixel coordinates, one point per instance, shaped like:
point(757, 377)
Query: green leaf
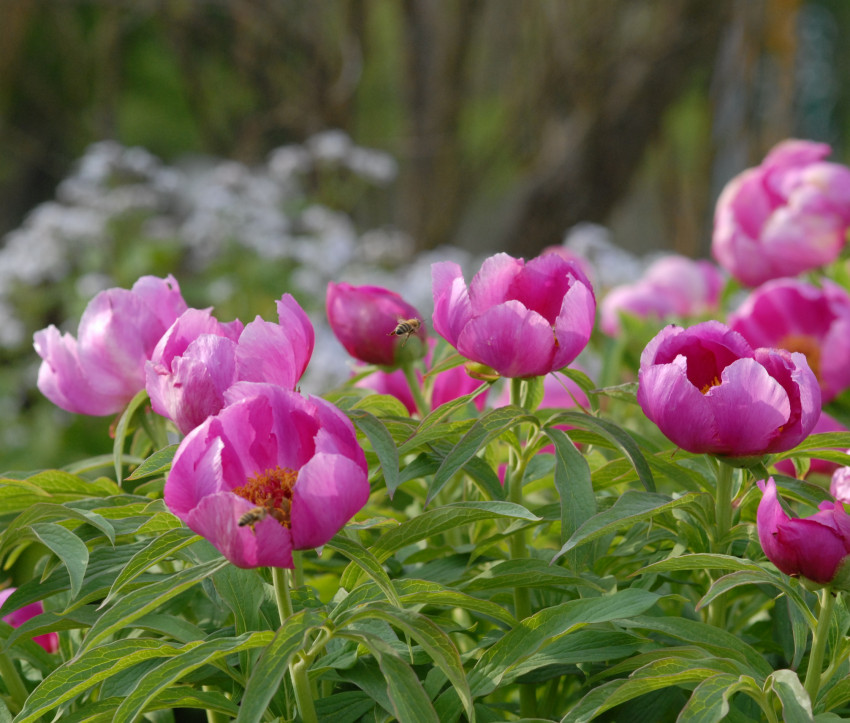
point(49, 512)
point(157, 464)
point(447, 517)
point(181, 696)
point(407, 697)
point(796, 707)
point(121, 430)
point(617, 435)
point(433, 640)
point(488, 427)
point(159, 549)
point(572, 480)
point(87, 670)
point(190, 657)
point(366, 561)
point(631, 507)
point(52, 485)
point(273, 664)
point(654, 676)
point(526, 572)
point(709, 703)
point(719, 642)
point(383, 444)
point(143, 600)
point(67, 547)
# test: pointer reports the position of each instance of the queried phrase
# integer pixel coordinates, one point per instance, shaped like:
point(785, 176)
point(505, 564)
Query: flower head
point(367, 321)
point(799, 316)
point(102, 369)
point(784, 217)
point(710, 392)
point(271, 473)
point(813, 547)
point(199, 358)
point(521, 319)
point(16, 618)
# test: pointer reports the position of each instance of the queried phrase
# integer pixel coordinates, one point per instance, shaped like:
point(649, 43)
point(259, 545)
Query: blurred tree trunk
point(606, 132)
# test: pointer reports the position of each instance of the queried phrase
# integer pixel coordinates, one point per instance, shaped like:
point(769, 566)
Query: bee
point(252, 517)
point(405, 328)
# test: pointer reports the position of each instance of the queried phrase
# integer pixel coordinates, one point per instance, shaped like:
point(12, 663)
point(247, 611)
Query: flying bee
point(405, 328)
point(252, 517)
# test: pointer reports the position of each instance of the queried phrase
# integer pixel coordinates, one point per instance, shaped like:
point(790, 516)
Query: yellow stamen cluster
point(272, 491)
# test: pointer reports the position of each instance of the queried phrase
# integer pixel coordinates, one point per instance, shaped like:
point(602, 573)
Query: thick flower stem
point(819, 638)
point(415, 389)
point(518, 543)
point(17, 690)
point(281, 593)
point(298, 667)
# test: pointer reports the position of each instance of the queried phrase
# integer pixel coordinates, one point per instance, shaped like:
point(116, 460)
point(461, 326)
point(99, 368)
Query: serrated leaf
point(617, 435)
point(631, 507)
point(187, 660)
point(272, 665)
point(383, 444)
point(447, 517)
point(160, 548)
point(488, 427)
point(573, 483)
point(144, 600)
point(367, 562)
point(67, 547)
point(158, 463)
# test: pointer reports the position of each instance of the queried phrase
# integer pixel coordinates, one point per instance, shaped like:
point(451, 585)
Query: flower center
point(713, 383)
point(805, 344)
point(271, 492)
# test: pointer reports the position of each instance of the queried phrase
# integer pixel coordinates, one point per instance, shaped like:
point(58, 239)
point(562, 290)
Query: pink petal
point(489, 287)
point(452, 307)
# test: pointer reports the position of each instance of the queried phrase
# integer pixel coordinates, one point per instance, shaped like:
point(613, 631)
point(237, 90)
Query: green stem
point(819, 638)
point(518, 543)
point(422, 405)
point(723, 506)
point(213, 716)
point(17, 690)
point(281, 593)
point(303, 692)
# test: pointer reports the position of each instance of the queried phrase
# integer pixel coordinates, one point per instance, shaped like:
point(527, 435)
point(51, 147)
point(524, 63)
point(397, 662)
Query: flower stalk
point(819, 637)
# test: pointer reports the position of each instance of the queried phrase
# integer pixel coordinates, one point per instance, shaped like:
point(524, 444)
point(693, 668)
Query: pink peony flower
point(521, 319)
point(784, 217)
point(710, 392)
point(673, 286)
point(839, 485)
point(364, 319)
point(199, 358)
point(16, 618)
point(101, 370)
point(812, 547)
point(271, 473)
point(797, 316)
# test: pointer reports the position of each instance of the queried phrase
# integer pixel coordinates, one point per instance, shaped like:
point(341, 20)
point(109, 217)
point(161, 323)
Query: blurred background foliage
point(510, 123)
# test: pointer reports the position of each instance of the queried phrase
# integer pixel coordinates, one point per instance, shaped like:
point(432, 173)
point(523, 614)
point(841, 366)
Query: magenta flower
point(521, 319)
point(710, 392)
point(797, 316)
point(101, 370)
point(448, 385)
point(811, 547)
point(271, 473)
point(364, 319)
point(784, 217)
point(16, 618)
point(673, 286)
point(199, 358)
